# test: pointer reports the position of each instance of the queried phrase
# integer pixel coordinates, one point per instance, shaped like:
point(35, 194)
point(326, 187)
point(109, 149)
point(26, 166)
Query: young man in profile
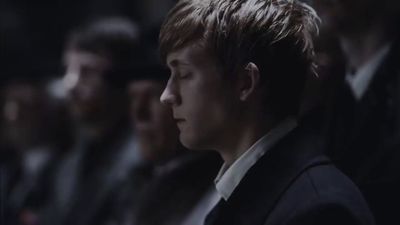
point(237, 73)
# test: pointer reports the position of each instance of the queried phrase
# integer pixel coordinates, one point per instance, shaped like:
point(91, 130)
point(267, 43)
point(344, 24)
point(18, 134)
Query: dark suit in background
point(176, 188)
point(88, 178)
point(364, 137)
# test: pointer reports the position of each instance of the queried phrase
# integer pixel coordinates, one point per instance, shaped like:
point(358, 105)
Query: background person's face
point(24, 112)
point(154, 126)
point(201, 100)
point(84, 79)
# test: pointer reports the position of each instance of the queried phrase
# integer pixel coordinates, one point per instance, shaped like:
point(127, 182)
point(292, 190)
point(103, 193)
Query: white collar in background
point(360, 81)
point(229, 177)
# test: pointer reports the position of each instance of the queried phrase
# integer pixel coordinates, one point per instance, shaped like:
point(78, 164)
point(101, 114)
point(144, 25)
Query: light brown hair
point(274, 34)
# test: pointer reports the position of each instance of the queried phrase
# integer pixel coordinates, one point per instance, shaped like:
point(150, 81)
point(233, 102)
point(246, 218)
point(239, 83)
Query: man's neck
point(362, 45)
point(100, 129)
point(249, 133)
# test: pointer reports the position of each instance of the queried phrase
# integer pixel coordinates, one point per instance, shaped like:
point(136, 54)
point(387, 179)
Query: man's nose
point(71, 80)
point(169, 95)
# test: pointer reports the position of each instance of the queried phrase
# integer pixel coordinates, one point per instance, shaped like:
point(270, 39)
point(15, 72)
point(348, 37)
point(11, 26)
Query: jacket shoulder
point(322, 195)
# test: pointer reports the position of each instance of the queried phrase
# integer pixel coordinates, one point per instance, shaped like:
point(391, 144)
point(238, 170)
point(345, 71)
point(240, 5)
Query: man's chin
point(191, 143)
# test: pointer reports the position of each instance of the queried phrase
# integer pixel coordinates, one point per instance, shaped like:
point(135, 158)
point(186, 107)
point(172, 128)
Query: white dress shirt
point(229, 177)
point(202, 208)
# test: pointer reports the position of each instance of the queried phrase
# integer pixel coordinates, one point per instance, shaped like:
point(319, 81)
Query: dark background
point(32, 33)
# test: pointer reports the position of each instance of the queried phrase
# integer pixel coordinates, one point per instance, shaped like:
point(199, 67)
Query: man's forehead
point(187, 55)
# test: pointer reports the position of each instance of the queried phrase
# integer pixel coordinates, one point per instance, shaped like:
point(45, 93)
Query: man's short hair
point(114, 38)
point(274, 34)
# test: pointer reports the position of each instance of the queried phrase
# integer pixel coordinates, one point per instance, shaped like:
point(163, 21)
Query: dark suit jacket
point(171, 195)
point(293, 184)
point(88, 178)
point(364, 137)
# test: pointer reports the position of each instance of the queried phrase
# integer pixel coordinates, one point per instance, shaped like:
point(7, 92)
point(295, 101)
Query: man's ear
point(249, 80)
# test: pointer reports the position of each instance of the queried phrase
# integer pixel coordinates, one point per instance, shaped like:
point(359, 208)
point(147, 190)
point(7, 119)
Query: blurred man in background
point(36, 127)
point(364, 131)
point(99, 59)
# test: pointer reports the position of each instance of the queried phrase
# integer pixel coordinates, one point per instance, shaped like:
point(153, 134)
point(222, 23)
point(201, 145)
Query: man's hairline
point(196, 42)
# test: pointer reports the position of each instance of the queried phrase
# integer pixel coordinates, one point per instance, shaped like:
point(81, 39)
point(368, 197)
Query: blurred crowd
point(84, 138)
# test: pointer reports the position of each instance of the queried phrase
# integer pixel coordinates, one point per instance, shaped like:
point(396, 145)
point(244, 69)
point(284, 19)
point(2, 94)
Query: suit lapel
point(263, 185)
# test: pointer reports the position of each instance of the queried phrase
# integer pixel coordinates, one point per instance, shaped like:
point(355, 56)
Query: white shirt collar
point(229, 177)
point(359, 82)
